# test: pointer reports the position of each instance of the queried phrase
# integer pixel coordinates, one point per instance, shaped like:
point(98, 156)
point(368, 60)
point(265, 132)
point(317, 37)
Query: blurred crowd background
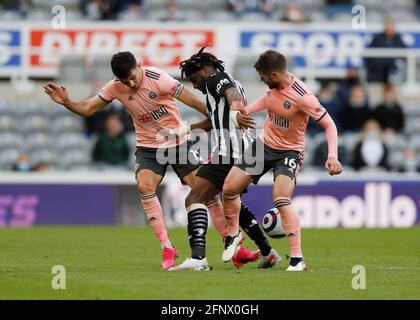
point(379, 129)
point(299, 11)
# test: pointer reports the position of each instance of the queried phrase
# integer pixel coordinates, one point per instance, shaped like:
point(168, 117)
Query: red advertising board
point(163, 48)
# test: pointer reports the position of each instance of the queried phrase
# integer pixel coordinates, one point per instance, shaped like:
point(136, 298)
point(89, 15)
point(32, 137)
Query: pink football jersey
point(288, 112)
point(152, 107)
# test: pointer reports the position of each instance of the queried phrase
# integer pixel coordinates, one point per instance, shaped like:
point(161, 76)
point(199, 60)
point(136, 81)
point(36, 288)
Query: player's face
point(133, 79)
point(198, 81)
point(269, 80)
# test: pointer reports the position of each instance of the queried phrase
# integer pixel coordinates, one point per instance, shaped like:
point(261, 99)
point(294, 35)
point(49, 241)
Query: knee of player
point(194, 197)
point(145, 188)
point(230, 190)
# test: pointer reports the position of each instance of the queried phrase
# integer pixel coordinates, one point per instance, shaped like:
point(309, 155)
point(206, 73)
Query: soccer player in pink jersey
point(289, 104)
point(150, 95)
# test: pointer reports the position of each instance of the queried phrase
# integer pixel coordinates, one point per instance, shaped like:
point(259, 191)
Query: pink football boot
point(243, 256)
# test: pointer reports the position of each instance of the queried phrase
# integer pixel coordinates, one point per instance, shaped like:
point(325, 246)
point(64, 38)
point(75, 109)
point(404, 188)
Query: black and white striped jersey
point(229, 140)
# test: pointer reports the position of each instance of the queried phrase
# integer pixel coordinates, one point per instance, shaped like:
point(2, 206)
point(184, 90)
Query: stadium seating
point(217, 10)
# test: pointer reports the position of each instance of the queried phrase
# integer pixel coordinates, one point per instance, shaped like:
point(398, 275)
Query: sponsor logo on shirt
point(144, 118)
point(279, 121)
point(287, 104)
point(220, 84)
point(154, 115)
point(159, 113)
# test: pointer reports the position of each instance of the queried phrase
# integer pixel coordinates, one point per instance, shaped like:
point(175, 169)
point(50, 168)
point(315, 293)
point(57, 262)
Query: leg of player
point(248, 222)
point(147, 182)
point(236, 181)
point(242, 255)
point(282, 194)
point(201, 193)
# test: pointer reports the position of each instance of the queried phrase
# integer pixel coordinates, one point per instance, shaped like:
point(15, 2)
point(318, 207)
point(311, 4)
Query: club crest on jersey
point(287, 104)
point(152, 95)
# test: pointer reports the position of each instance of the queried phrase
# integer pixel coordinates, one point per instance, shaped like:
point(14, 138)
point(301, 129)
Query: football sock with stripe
point(154, 214)
point(197, 229)
point(291, 225)
point(232, 207)
point(218, 216)
point(249, 224)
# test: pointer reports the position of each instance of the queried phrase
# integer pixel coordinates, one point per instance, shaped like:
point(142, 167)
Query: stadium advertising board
point(10, 50)
point(350, 204)
point(26, 205)
point(161, 47)
point(325, 204)
point(323, 49)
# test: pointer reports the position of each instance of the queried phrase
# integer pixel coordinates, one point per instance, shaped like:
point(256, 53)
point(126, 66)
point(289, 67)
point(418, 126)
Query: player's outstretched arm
point(332, 164)
point(190, 99)
point(241, 120)
point(84, 108)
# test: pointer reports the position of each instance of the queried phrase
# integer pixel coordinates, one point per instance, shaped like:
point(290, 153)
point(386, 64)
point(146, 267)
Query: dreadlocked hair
point(198, 61)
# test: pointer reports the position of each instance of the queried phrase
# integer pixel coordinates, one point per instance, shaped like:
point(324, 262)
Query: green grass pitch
point(123, 263)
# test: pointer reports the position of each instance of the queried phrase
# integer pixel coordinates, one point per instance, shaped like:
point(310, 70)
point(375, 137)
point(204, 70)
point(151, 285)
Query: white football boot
point(192, 265)
point(270, 260)
point(298, 265)
point(231, 245)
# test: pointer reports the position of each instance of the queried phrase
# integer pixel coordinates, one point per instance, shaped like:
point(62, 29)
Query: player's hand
point(57, 93)
point(245, 121)
point(178, 132)
point(237, 105)
point(333, 166)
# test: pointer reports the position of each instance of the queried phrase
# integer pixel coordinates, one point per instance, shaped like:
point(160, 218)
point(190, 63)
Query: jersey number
point(290, 162)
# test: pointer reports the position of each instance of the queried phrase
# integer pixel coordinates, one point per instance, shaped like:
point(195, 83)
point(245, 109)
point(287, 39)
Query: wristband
point(181, 131)
point(232, 116)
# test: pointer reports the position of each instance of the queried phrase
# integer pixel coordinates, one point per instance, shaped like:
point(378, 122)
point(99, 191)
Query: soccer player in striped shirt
point(207, 74)
point(289, 104)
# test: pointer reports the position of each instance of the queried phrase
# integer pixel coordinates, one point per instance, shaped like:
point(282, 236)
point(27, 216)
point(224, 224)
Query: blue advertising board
point(10, 45)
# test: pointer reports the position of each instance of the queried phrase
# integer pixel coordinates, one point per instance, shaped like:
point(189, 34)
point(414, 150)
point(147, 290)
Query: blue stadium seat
point(8, 158)
point(34, 124)
point(8, 123)
point(39, 141)
point(11, 140)
point(73, 159)
point(67, 123)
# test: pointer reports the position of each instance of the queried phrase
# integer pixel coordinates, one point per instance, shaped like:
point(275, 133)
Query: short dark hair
point(198, 61)
point(270, 61)
point(122, 63)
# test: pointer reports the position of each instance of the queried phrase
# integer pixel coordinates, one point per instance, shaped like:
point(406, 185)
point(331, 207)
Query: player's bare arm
point(191, 100)
point(184, 130)
point(233, 97)
point(332, 164)
point(84, 108)
point(203, 125)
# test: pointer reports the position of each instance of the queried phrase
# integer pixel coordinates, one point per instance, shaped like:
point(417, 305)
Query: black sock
point(249, 224)
point(295, 260)
point(197, 230)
